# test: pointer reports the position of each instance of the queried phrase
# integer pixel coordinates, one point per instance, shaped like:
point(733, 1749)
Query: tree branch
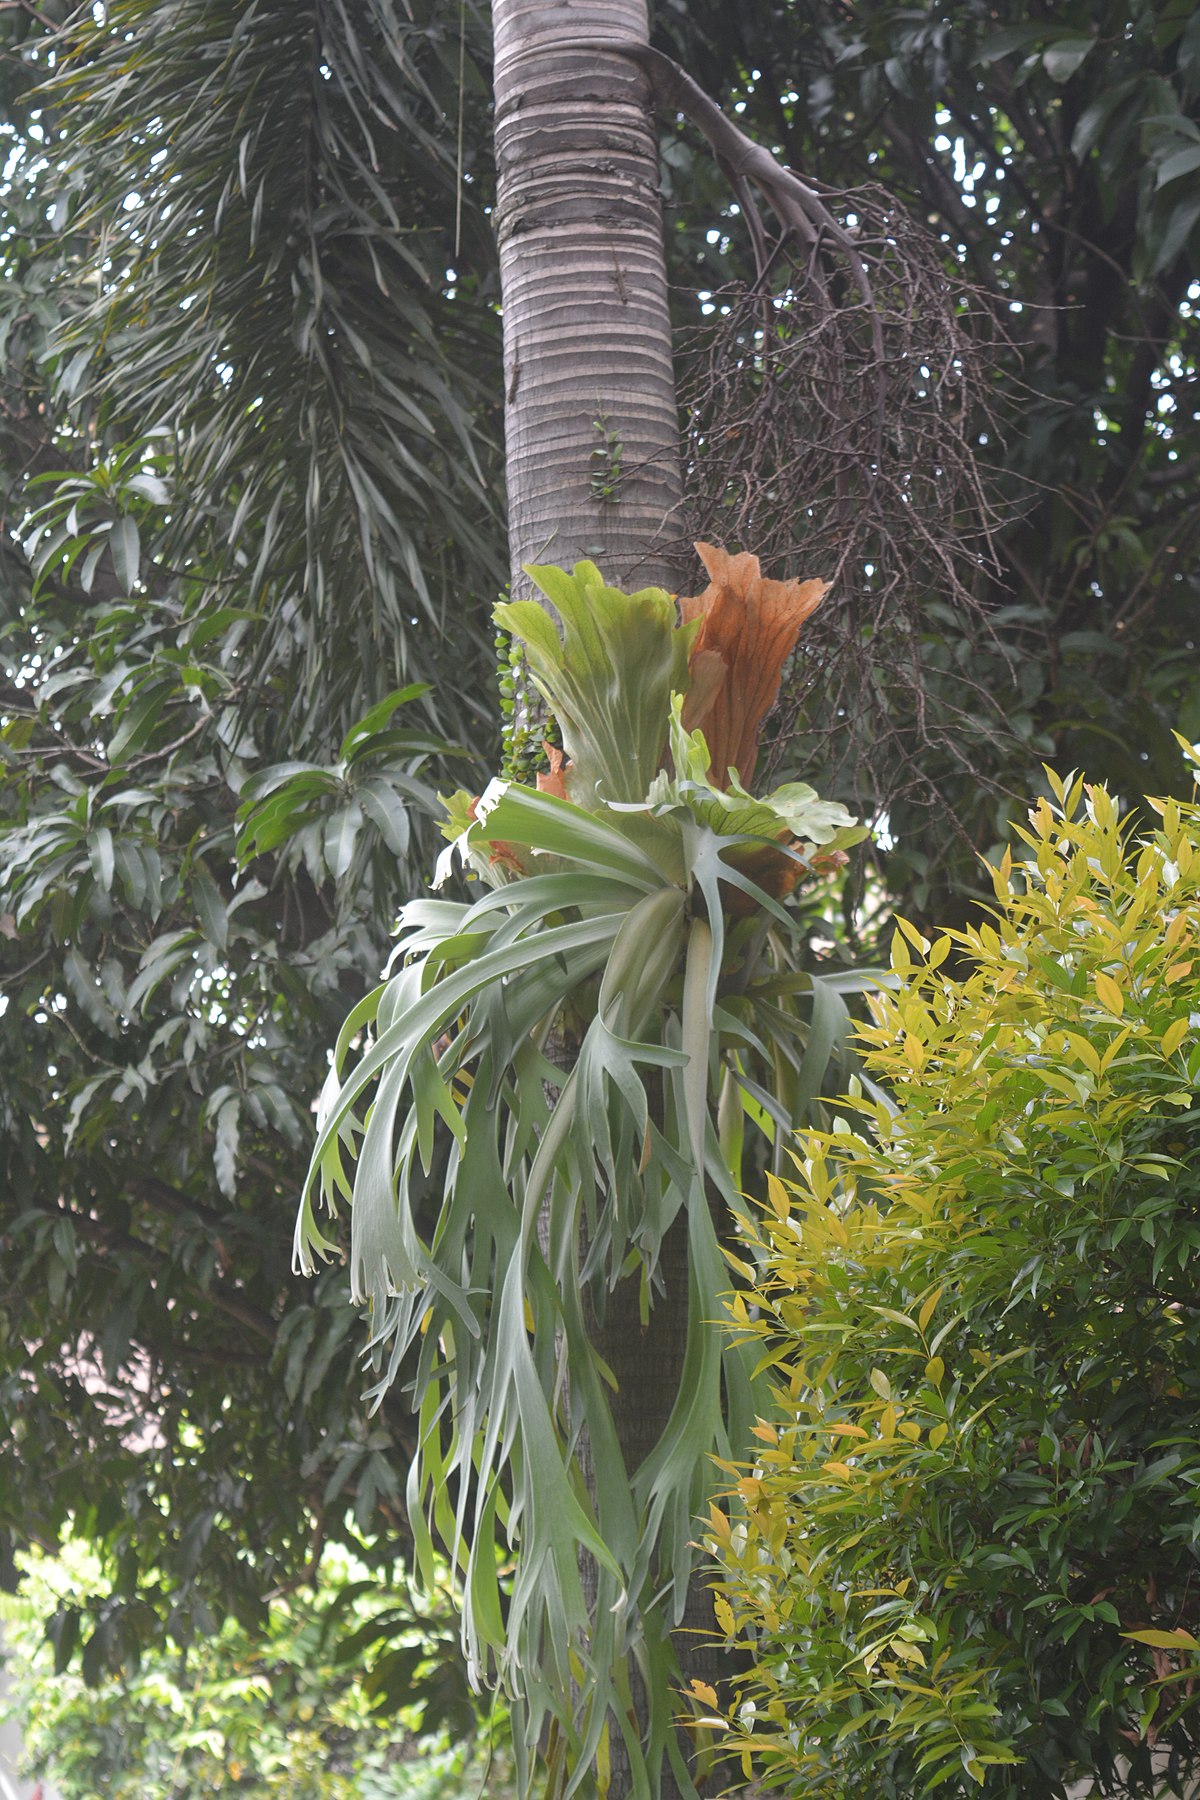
point(157, 1192)
point(234, 1305)
point(798, 207)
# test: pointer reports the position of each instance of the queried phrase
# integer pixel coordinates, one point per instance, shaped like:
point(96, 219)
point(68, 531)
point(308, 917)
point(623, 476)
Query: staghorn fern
point(633, 907)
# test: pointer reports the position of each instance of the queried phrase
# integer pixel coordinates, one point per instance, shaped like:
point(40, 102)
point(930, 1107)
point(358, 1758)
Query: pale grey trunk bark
point(586, 325)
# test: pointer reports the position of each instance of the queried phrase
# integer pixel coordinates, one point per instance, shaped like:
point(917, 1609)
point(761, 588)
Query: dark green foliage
point(165, 1387)
point(269, 198)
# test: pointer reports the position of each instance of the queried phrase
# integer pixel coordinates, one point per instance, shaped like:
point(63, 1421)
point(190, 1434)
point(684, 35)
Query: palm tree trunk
point(591, 430)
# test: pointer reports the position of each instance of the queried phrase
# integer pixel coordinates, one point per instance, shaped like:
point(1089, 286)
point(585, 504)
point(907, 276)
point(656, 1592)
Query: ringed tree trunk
point(592, 440)
point(593, 464)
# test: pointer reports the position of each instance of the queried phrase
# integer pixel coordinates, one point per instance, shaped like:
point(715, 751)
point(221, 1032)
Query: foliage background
point(167, 1388)
point(285, 1713)
point(1055, 155)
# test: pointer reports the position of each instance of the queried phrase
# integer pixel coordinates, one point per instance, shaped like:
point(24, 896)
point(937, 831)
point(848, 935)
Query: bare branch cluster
point(834, 423)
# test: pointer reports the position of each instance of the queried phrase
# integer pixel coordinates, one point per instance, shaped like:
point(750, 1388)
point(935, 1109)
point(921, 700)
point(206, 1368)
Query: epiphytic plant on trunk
point(634, 905)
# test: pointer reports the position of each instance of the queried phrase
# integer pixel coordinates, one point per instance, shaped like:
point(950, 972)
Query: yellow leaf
point(840, 1469)
point(1084, 1051)
point(778, 1196)
point(1062, 1084)
point(927, 1309)
point(1002, 876)
point(767, 1433)
point(1179, 1639)
point(843, 1428)
point(1174, 1035)
point(914, 937)
point(910, 1430)
point(935, 1368)
point(1115, 1047)
point(937, 1437)
point(719, 1522)
point(1101, 807)
point(1109, 994)
point(1176, 972)
point(724, 1615)
point(703, 1692)
point(836, 1228)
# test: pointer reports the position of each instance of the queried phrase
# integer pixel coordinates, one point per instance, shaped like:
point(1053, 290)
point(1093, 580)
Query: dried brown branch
point(782, 396)
point(833, 252)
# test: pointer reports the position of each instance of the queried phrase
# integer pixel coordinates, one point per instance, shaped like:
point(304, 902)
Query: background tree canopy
point(250, 450)
point(1056, 156)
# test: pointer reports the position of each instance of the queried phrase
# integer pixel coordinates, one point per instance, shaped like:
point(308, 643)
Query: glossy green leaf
point(125, 544)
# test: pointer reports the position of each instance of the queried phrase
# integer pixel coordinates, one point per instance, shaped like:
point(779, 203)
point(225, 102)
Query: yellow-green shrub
point(967, 1555)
